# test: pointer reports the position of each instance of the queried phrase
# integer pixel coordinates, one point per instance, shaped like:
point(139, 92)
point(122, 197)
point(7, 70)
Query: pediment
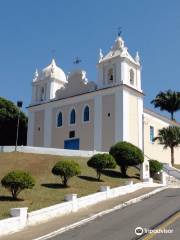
point(77, 84)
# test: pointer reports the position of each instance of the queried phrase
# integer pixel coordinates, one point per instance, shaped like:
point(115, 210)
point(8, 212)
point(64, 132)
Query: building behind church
point(69, 111)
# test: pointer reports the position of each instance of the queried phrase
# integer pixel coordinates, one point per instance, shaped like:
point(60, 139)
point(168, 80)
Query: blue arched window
point(86, 114)
point(59, 119)
point(73, 117)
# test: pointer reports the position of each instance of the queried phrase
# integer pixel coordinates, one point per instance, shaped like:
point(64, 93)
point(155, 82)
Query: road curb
point(100, 214)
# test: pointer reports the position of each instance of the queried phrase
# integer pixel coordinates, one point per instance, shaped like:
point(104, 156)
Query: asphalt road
point(121, 224)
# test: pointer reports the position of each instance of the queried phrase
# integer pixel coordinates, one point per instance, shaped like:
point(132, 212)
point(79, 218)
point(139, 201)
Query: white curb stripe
point(86, 220)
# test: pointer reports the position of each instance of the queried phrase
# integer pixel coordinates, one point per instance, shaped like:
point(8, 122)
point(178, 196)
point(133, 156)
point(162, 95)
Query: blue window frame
point(151, 134)
point(59, 120)
point(86, 114)
point(73, 117)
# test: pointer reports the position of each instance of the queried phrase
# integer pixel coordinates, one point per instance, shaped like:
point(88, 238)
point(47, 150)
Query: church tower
point(47, 82)
point(119, 67)
point(120, 71)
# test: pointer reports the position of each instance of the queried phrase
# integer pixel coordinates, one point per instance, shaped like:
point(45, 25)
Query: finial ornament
point(100, 54)
point(137, 58)
point(35, 75)
point(77, 60)
point(119, 31)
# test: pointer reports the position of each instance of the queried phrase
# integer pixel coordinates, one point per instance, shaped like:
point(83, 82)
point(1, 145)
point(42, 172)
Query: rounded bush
point(155, 167)
point(66, 169)
point(16, 181)
point(100, 162)
point(126, 154)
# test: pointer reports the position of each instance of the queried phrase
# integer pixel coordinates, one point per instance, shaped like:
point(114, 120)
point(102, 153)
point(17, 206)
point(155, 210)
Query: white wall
point(51, 151)
point(45, 214)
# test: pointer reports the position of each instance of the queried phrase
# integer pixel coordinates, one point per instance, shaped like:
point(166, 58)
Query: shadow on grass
point(115, 174)
point(10, 199)
point(53, 185)
point(90, 179)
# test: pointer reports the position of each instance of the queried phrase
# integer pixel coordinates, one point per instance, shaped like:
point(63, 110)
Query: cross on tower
point(77, 60)
point(119, 31)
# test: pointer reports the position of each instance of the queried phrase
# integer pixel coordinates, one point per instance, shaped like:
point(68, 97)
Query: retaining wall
point(14, 224)
point(51, 151)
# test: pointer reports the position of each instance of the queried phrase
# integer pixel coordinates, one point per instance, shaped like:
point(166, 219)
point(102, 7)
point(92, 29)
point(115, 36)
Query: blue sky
point(30, 30)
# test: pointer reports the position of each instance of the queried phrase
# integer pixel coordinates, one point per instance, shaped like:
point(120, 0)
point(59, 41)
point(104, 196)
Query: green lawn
point(177, 166)
point(48, 190)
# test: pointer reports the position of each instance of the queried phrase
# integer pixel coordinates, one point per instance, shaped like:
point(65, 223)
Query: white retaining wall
point(15, 223)
point(51, 151)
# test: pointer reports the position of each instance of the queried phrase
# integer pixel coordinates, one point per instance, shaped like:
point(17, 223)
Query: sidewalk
point(42, 229)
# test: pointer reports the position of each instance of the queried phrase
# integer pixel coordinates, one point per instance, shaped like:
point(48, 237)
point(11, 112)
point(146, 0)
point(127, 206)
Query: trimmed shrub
point(126, 154)
point(16, 181)
point(155, 167)
point(66, 169)
point(100, 162)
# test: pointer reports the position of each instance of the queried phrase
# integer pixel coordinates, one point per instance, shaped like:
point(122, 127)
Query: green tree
point(66, 169)
point(155, 167)
point(169, 137)
point(16, 181)
point(168, 101)
point(126, 154)
point(100, 162)
point(8, 124)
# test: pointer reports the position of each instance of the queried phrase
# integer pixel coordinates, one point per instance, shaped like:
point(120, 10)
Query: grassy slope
point(177, 166)
point(48, 190)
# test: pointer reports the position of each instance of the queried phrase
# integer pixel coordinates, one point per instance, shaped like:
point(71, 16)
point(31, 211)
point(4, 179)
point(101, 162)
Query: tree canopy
point(169, 137)
point(100, 162)
point(66, 169)
point(126, 154)
point(168, 101)
point(16, 181)
point(8, 123)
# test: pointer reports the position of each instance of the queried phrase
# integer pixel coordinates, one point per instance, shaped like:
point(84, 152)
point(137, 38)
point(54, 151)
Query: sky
point(32, 32)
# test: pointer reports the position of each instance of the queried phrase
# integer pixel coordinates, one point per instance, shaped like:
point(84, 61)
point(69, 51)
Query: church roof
point(51, 71)
point(119, 49)
point(159, 116)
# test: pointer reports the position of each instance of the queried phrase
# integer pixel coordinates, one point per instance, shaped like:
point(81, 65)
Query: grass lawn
point(48, 190)
point(177, 166)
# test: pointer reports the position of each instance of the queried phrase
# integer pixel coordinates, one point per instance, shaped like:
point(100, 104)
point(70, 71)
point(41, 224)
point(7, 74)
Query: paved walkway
point(45, 228)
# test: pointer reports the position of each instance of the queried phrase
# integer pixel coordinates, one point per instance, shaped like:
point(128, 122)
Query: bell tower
point(119, 70)
point(47, 82)
point(119, 67)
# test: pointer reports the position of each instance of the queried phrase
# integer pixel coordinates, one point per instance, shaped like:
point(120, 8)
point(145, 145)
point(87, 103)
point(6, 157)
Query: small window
point(71, 134)
point(59, 120)
point(86, 114)
point(110, 75)
point(151, 134)
point(131, 73)
point(73, 117)
point(42, 97)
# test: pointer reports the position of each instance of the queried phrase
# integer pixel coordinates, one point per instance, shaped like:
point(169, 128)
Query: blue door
point(71, 144)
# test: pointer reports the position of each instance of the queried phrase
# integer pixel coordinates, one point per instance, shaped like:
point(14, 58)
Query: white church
point(71, 112)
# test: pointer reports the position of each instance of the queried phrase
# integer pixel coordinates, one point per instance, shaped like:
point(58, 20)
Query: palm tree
point(168, 101)
point(169, 137)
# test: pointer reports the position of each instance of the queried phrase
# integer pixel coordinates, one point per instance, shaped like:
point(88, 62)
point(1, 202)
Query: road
point(121, 224)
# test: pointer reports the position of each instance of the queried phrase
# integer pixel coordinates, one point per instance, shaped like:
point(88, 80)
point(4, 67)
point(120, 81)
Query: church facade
point(74, 113)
